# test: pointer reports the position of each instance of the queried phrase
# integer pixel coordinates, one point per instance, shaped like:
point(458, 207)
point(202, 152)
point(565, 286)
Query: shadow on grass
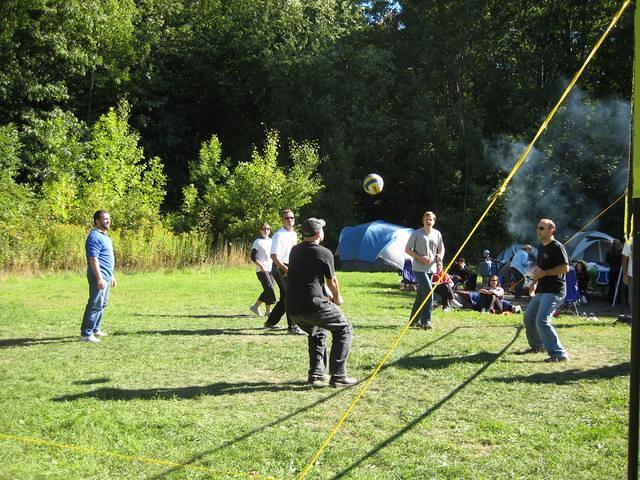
point(436, 362)
point(491, 358)
point(203, 315)
point(92, 381)
point(214, 389)
point(595, 323)
point(250, 433)
point(30, 342)
point(206, 331)
point(567, 377)
point(284, 418)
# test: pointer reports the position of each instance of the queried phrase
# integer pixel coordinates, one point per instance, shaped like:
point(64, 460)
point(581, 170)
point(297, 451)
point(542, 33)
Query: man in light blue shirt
point(519, 269)
point(100, 275)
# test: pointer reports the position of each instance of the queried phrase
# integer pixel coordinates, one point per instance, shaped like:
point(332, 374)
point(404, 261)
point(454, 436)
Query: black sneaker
point(426, 326)
point(295, 330)
point(342, 381)
point(556, 359)
point(529, 350)
point(271, 327)
point(318, 380)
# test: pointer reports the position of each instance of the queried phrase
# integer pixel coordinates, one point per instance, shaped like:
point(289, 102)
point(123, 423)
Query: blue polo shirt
point(99, 245)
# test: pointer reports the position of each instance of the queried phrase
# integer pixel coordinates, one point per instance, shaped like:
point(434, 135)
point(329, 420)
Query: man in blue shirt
point(100, 274)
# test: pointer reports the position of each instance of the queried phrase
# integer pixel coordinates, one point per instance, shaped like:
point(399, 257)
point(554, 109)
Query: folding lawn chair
point(602, 280)
point(573, 292)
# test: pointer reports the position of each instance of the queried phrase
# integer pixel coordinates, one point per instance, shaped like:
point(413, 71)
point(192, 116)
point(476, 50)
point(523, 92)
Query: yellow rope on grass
point(133, 458)
point(492, 201)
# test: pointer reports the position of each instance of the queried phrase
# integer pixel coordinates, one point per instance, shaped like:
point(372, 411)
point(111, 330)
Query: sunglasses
point(540, 227)
point(289, 218)
point(265, 228)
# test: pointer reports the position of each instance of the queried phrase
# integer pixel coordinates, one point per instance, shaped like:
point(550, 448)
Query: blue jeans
point(424, 287)
point(98, 300)
point(537, 323)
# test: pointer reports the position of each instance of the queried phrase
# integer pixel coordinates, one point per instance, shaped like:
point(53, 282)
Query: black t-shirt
point(458, 271)
point(309, 265)
point(550, 256)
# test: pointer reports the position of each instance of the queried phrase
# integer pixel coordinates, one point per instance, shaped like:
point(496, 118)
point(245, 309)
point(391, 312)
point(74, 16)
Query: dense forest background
point(192, 121)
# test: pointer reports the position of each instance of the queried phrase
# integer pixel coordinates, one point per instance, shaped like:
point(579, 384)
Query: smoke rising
point(577, 168)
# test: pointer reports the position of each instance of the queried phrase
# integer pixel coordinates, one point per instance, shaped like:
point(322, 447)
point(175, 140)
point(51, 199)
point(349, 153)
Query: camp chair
point(408, 281)
point(573, 292)
point(602, 280)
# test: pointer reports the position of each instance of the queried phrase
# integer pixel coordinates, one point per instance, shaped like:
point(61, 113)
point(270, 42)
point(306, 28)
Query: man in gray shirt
point(426, 249)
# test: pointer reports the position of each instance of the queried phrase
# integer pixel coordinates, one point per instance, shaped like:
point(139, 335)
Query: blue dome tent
point(372, 247)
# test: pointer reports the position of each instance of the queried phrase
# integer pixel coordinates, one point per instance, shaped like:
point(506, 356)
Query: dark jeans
point(279, 310)
point(94, 311)
point(517, 282)
point(268, 295)
point(490, 302)
point(445, 293)
point(471, 282)
point(317, 324)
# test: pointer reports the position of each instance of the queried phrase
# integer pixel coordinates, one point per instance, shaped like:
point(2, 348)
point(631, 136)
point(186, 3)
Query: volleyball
point(373, 184)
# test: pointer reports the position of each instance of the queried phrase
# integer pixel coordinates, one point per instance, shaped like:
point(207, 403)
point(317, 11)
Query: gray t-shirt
point(424, 244)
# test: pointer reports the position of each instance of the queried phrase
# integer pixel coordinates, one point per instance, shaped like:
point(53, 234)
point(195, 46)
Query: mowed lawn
point(187, 375)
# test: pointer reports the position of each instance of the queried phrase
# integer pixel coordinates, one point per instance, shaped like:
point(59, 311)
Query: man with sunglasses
point(281, 244)
point(547, 291)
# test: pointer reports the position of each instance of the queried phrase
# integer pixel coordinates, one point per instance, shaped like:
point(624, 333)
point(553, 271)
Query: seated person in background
point(518, 269)
point(582, 277)
point(485, 267)
point(491, 296)
point(462, 275)
point(444, 289)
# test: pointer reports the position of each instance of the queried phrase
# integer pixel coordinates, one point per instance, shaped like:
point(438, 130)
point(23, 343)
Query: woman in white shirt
point(261, 256)
point(491, 296)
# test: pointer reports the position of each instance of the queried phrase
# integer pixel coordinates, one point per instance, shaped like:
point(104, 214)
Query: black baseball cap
point(312, 226)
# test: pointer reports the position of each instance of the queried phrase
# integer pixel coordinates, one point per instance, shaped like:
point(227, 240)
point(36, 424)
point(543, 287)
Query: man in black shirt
point(461, 273)
point(550, 288)
point(316, 312)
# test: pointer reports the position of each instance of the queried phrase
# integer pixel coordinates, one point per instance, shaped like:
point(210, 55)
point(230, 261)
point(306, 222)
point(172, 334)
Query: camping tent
point(372, 247)
point(589, 246)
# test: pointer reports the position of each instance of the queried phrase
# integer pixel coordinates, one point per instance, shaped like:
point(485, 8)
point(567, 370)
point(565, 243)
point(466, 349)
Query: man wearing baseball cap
point(311, 268)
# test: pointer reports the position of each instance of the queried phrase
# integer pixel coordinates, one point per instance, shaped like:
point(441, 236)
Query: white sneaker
point(255, 310)
point(90, 338)
point(100, 333)
point(456, 303)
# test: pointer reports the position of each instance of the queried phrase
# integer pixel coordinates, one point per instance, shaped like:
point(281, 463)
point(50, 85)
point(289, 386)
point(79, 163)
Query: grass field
point(187, 375)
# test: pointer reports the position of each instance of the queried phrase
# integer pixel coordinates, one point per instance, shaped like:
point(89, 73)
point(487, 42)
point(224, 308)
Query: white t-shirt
point(262, 246)
point(626, 251)
point(282, 244)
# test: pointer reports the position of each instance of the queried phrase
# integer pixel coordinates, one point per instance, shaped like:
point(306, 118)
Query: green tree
point(18, 212)
point(72, 54)
point(118, 178)
point(231, 204)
